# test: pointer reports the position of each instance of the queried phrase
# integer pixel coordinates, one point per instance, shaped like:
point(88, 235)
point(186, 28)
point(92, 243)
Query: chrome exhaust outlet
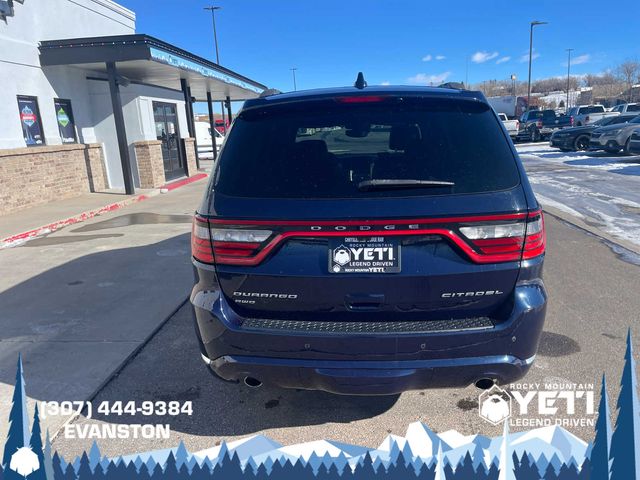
point(252, 382)
point(484, 383)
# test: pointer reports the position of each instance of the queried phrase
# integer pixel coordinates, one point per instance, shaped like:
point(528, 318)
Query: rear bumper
point(371, 363)
point(561, 142)
point(605, 142)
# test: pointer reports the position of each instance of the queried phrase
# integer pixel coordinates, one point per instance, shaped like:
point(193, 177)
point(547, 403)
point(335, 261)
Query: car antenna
point(360, 81)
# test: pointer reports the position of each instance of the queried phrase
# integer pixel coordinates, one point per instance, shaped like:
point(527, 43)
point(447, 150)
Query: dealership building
point(89, 105)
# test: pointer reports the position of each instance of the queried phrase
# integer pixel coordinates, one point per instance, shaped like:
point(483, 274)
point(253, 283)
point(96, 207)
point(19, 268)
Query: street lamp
point(212, 9)
point(569, 50)
point(293, 72)
point(513, 84)
point(533, 24)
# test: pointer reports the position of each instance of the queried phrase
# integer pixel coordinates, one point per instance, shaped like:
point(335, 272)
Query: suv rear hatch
point(379, 208)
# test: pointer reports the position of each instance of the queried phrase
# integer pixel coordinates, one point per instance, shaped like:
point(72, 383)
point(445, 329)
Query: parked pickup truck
point(537, 125)
point(512, 126)
point(627, 108)
point(586, 114)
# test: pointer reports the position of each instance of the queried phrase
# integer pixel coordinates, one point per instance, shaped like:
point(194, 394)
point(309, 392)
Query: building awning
point(145, 59)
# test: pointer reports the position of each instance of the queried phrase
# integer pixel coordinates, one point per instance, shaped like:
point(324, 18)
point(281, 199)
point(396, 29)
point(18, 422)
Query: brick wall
point(190, 147)
point(150, 164)
point(37, 175)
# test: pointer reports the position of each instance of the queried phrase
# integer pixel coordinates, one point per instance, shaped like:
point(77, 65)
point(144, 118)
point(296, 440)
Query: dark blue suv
point(369, 241)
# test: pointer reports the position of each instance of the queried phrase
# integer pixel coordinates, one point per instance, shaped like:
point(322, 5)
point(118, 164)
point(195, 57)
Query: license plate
point(364, 255)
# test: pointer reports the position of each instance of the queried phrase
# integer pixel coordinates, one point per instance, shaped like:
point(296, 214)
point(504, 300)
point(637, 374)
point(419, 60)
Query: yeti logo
point(341, 255)
point(494, 405)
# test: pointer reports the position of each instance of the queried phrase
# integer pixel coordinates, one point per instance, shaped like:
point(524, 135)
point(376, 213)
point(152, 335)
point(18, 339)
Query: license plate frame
point(364, 255)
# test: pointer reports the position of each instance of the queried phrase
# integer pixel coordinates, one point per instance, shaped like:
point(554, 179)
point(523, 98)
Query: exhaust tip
point(484, 383)
point(252, 382)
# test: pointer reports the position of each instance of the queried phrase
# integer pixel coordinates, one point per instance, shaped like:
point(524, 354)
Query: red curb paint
point(183, 182)
point(52, 227)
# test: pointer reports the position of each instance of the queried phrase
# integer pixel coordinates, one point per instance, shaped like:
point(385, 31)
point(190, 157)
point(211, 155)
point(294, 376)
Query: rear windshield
point(593, 109)
point(329, 150)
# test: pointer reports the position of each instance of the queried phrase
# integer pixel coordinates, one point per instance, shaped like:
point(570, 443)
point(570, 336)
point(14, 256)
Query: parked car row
point(611, 134)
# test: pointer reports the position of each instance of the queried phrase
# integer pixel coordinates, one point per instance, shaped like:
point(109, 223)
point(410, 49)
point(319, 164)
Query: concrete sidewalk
point(78, 302)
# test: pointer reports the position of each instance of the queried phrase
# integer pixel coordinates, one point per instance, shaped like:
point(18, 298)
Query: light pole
point(532, 24)
point(212, 9)
point(569, 50)
point(293, 72)
point(513, 84)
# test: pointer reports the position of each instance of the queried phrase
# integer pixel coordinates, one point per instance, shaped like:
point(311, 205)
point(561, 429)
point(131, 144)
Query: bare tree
point(629, 73)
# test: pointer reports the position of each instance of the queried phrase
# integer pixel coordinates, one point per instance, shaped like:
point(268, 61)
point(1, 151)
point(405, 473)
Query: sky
point(396, 42)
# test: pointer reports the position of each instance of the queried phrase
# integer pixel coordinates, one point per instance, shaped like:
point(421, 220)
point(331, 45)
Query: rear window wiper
point(391, 183)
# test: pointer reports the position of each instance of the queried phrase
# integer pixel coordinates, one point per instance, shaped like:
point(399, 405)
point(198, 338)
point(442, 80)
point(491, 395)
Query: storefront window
point(66, 124)
point(30, 120)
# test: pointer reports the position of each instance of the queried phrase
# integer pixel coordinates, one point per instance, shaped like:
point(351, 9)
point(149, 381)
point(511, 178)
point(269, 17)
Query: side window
point(30, 121)
point(66, 124)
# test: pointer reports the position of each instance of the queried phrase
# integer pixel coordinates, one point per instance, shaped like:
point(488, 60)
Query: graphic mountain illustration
point(548, 452)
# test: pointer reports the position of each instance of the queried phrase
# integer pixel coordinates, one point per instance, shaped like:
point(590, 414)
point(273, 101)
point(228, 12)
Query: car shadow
point(170, 368)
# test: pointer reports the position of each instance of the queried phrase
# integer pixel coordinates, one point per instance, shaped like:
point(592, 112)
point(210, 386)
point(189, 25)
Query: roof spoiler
point(270, 91)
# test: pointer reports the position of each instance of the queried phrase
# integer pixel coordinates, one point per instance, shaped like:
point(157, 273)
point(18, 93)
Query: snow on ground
point(601, 189)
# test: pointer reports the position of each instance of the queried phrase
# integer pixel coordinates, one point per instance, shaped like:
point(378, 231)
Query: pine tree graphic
point(599, 461)
point(625, 441)
point(18, 435)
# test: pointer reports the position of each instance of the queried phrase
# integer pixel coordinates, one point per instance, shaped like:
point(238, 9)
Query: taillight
point(539, 124)
point(507, 242)
point(210, 244)
point(571, 120)
point(231, 245)
point(536, 238)
point(201, 240)
point(517, 125)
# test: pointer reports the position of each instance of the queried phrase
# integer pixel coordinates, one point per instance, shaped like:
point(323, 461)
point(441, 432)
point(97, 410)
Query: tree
point(629, 73)
point(48, 463)
point(36, 446)
point(58, 472)
point(84, 472)
point(625, 441)
point(599, 461)
point(506, 460)
point(18, 435)
point(94, 455)
point(439, 473)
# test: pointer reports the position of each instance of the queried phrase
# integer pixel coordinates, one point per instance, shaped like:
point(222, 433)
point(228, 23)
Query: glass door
point(167, 131)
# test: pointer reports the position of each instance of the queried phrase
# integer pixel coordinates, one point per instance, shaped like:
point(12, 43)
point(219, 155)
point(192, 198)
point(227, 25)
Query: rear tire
point(534, 135)
point(581, 143)
point(627, 145)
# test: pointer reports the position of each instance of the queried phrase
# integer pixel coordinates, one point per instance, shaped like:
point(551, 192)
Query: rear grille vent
point(424, 326)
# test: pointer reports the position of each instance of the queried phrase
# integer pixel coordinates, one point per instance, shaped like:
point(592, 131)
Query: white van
point(203, 138)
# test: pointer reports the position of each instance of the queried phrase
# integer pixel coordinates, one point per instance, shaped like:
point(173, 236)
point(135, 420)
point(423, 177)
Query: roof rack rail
point(270, 91)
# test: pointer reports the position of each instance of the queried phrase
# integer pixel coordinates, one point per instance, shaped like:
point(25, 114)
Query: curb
point(181, 183)
point(578, 223)
point(20, 238)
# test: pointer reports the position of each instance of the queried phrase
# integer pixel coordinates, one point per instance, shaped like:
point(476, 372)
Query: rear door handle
point(364, 301)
